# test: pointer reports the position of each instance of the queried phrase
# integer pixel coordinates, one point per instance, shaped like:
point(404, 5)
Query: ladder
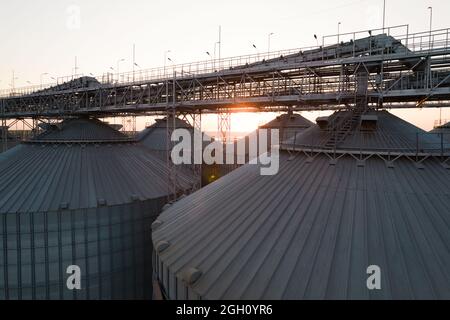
point(348, 125)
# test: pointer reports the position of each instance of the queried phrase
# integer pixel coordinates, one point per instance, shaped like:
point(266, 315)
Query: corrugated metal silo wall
point(111, 245)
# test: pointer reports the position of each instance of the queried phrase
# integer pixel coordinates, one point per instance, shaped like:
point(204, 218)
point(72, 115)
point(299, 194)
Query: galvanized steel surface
point(81, 129)
point(44, 178)
point(71, 202)
point(311, 231)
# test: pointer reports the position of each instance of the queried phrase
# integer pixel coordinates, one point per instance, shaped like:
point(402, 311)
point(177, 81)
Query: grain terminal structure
point(80, 194)
point(312, 230)
point(356, 190)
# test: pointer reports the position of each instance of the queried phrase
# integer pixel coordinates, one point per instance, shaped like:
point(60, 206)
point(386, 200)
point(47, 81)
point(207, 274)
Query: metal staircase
point(347, 125)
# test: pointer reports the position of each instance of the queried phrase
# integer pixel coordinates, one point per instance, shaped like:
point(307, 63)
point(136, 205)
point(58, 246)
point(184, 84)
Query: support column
point(197, 167)
point(3, 129)
point(194, 119)
point(224, 126)
point(4, 135)
point(361, 90)
point(170, 127)
point(129, 124)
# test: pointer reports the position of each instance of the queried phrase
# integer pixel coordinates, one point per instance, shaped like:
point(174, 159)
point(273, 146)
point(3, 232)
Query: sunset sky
point(40, 39)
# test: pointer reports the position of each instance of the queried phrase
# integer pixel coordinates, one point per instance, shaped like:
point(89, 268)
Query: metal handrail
point(418, 145)
point(414, 43)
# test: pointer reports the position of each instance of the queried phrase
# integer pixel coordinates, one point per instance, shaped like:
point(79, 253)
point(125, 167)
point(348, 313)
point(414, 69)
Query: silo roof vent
point(156, 224)
point(369, 122)
point(322, 122)
point(191, 275)
point(162, 245)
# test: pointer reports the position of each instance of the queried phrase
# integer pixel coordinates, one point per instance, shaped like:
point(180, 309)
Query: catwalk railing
point(418, 144)
point(414, 43)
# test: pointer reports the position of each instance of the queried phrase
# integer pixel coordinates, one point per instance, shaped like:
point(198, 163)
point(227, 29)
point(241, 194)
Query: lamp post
point(117, 70)
point(212, 60)
point(41, 78)
point(431, 22)
point(134, 58)
point(257, 51)
point(268, 43)
point(140, 72)
point(339, 25)
point(384, 14)
point(215, 55)
point(165, 61)
point(110, 74)
point(12, 84)
point(220, 42)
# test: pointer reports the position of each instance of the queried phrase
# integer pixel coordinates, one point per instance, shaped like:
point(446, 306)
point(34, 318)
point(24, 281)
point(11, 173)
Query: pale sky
point(44, 36)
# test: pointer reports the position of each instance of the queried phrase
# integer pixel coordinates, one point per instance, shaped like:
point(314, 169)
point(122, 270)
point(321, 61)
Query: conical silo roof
point(376, 131)
point(443, 131)
point(80, 163)
point(288, 120)
point(84, 195)
point(82, 129)
point(312, 230)
point(287, 124)
point(155, 136)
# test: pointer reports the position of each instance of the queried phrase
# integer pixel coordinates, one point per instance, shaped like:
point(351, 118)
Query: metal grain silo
point(154, 137)
point(442, 131)
point(80, 194)
point(7, 141)
point(289, 124)
point(375, 193)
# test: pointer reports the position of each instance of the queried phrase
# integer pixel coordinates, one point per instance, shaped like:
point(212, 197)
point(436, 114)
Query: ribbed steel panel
point(81, 130)
point(71, 202)
point(312, 230)
point(112, 246)
point(42, 178)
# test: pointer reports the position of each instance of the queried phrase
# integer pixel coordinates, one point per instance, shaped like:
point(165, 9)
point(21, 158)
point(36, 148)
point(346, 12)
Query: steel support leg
point(2, 129)
point(170, 127)
point(129, 124)
point(198, 167)
point(224, 126)
point(195, 120)
point(4, 133)
point(171, 168)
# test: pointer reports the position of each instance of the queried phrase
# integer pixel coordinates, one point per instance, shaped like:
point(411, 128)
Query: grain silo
point(351, 198)
point(443, 132)
point(154, 137)
point(288, 124)
point(7, 141)
point(79, 194)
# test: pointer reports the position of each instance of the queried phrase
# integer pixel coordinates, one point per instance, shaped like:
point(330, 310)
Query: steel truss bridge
point(383, 68)
point(404, 70)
